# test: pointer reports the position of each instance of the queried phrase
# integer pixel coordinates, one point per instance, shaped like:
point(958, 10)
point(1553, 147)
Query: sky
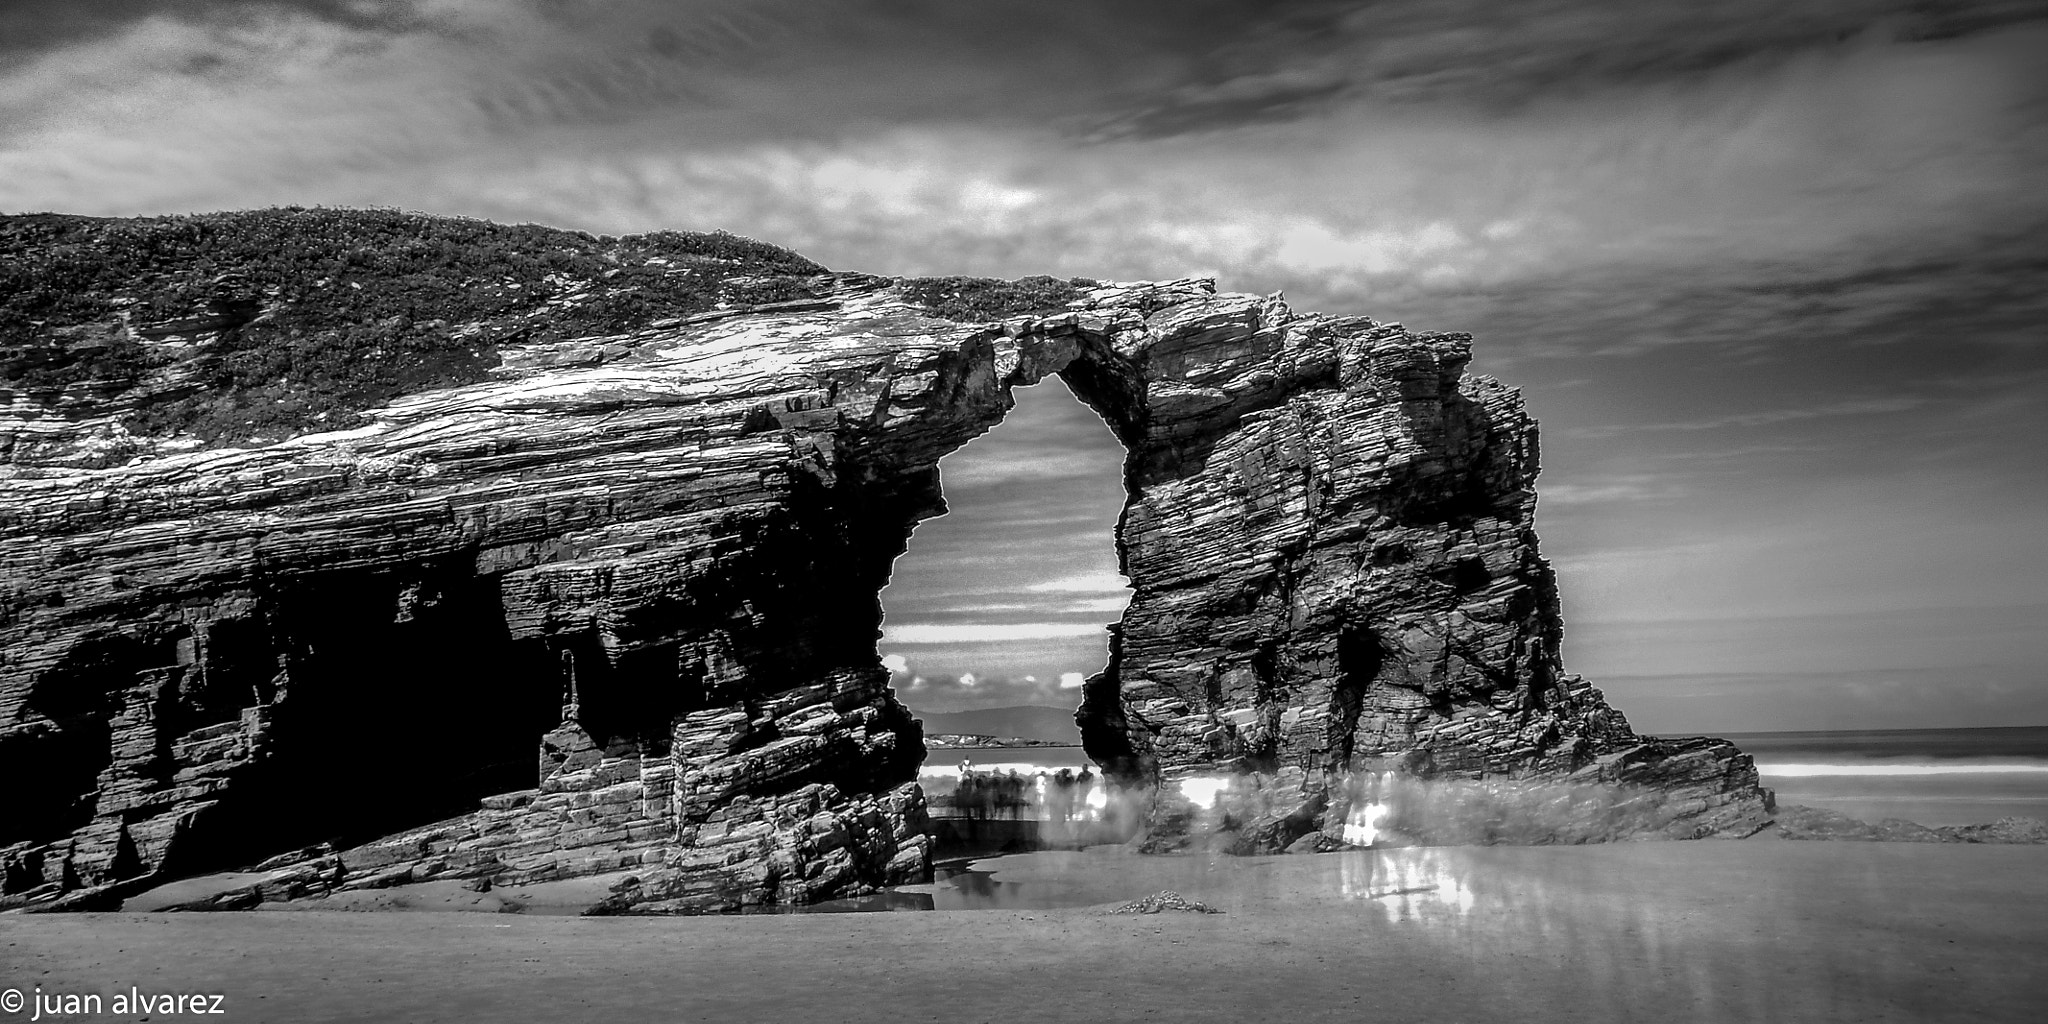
point(1770, 272)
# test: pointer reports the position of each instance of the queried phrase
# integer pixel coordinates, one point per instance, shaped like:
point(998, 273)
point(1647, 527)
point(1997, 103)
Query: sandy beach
point(1704, 931)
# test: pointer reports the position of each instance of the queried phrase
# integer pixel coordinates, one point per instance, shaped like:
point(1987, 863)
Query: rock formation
point(1819, 823)
point(613, 601)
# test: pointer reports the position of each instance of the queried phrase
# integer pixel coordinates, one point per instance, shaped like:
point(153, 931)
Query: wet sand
point(567, 897)
point(1708, 931)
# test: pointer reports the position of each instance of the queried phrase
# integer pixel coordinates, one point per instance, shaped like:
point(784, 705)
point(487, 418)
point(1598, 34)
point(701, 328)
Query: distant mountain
point(1027, 722)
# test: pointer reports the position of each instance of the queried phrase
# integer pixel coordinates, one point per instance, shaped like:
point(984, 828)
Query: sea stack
point(385, 547)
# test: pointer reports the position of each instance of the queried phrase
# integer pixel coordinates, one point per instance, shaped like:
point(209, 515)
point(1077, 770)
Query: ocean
point(1932, 776)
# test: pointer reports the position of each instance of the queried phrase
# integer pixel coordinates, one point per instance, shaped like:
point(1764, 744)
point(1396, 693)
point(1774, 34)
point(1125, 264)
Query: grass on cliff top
point(326, 312)
point(980, 299)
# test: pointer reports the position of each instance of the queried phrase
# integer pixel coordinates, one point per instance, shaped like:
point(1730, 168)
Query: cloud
point(1875, 545)
point(1975, 697)
point(577, 121)
point(1086, 583)
point(1072, 680)
point(34, 25)
point(1302, 60)
point(975, 689)
point(1743, 452)
point(1045, 466)
point(1858, 407)
point(1632, 488)
point(896, 664)
point(985, 632)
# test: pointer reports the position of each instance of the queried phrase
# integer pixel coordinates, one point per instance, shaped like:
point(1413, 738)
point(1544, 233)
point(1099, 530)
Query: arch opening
point(998, 613)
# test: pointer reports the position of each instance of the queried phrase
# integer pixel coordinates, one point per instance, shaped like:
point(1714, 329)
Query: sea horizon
point(1936, 777)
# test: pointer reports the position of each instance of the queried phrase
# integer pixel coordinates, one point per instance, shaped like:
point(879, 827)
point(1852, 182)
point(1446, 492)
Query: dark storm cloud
point(35, 25)
point(809, 69)
point(1132, 69)
point(1851, 363)
point(1282, 61)
point(1156, 68)
point(1975, 284)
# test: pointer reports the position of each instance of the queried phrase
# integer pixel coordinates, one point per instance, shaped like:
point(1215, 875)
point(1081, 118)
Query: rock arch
point(678, 537)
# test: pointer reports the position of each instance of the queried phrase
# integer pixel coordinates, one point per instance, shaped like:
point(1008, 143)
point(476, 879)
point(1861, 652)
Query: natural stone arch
point(1328, 535)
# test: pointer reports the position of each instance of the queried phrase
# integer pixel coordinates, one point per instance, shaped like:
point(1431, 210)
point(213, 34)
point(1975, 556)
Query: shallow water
point(1706, 932)
point(1405, 882)
point(1933, 776)
point(962, 884)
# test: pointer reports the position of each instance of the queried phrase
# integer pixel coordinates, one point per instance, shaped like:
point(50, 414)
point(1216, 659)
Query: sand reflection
point(1589, 911)
point(1411, 884)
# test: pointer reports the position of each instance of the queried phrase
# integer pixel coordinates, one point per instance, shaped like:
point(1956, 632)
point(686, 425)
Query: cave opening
point(400, 701)
point(1000, 609)
point(71, 742)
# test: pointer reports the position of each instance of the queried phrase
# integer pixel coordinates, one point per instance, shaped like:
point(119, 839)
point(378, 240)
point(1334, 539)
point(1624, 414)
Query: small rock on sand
point(1165, 900)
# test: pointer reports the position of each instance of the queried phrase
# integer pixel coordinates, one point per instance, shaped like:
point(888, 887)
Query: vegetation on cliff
point(988, 298)
point(323, 312)
point(229, 327)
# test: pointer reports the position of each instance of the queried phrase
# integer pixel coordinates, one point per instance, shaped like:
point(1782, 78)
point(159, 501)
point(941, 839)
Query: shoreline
point(1679, 931)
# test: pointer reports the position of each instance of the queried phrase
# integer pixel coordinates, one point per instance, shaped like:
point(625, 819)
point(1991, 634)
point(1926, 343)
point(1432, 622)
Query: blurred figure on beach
point(1365, 801)
point(1070, 807)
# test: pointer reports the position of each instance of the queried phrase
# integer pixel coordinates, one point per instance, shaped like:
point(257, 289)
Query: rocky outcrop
point(615, 605)
point(1331, 541)
point(1821, 824)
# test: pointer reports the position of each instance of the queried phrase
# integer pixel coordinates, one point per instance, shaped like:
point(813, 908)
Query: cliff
point(554, 554)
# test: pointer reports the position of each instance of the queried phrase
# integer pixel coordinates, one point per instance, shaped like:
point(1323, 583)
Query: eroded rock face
point(617, 606)
point(1336, 572)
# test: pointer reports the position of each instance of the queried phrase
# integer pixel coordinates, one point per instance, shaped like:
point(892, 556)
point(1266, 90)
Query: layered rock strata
point(616, 606)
